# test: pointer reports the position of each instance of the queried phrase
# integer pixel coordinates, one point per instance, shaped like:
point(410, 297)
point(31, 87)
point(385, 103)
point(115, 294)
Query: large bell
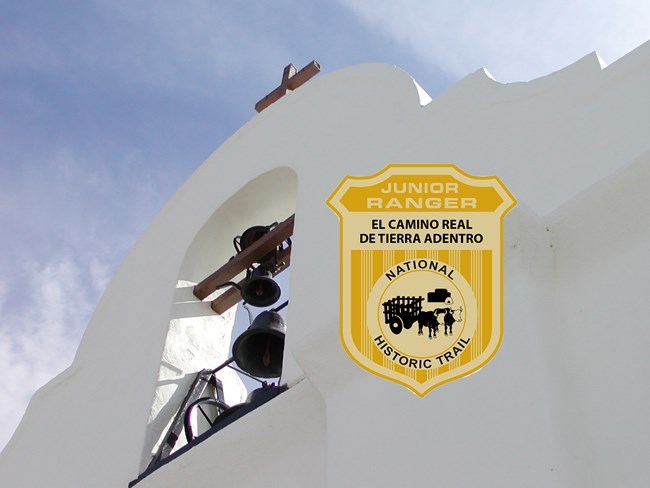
point(259, 289)
point(259, 350)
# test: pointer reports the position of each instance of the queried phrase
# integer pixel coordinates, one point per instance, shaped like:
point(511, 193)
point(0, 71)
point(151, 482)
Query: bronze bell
point(252, 234)
point(259, 289)
point(260, 348)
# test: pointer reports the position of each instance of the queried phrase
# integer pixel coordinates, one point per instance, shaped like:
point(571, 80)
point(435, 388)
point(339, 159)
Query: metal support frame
point(201, 381)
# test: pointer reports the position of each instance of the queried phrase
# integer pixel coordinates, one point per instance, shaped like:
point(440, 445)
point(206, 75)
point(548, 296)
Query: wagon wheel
point(409, 322)
point(395, 324)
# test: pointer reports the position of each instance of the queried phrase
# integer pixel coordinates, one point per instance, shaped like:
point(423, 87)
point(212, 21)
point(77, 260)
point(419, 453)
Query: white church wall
point(497, 424)
point(600, 245)
point(281, 443)
point(197, 339)
point(533, 416)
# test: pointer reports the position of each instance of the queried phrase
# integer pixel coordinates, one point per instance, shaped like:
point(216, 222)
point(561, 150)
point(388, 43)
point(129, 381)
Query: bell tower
point(563, 402)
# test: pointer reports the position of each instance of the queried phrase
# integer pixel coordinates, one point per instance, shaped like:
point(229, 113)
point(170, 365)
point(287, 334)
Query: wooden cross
point(290, 81)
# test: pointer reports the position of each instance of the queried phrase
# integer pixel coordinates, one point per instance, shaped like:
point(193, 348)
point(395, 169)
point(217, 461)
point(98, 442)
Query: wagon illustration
point(401, 312)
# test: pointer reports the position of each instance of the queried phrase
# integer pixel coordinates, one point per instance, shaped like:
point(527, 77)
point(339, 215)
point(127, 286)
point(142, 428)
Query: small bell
point(260, 290)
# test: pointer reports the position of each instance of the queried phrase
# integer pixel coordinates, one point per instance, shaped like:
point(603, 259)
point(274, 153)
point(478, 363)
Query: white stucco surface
point(564, 401)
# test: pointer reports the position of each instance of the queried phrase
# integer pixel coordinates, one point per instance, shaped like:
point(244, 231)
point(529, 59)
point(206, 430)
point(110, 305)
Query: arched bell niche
point(198, 338)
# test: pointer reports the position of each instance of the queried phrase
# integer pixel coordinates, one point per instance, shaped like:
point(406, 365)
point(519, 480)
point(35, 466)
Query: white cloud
point(39, 338)
point(64, 247)
point(514, 40)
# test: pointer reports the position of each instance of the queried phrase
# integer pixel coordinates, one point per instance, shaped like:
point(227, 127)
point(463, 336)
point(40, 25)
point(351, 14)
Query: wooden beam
point(304, 75)
point(232, 297)
point(246, 258)
point(289, 71)
point(290, 80)
point(279, 92)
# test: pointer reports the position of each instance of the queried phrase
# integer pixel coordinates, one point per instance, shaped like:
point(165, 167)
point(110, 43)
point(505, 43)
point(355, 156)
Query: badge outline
point(444, 169)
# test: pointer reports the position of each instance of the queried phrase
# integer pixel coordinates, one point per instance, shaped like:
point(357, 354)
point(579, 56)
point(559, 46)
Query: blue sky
point(106, 107)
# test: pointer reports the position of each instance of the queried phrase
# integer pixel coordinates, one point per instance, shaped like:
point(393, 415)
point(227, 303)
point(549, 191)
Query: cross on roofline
point(290, 81)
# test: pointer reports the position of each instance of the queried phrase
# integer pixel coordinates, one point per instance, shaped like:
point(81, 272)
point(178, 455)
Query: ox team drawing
point(421, 271)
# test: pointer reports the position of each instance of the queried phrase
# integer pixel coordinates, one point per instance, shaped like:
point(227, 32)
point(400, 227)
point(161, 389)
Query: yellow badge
point(421, 271)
